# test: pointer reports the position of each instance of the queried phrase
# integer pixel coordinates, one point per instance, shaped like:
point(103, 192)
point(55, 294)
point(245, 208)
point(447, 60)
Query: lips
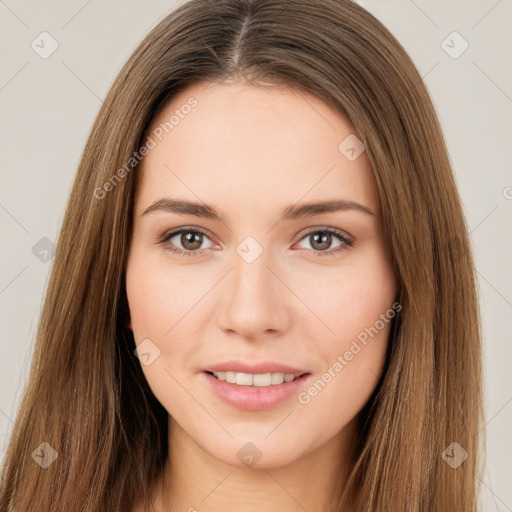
point(254, 368)
point(255, 398)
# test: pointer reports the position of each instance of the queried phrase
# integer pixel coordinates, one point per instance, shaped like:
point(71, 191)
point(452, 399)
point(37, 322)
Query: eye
point(321, 240)
point(190, 240)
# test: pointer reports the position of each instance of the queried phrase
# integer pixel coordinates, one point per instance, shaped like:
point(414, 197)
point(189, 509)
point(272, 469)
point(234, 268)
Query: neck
point(194, 481)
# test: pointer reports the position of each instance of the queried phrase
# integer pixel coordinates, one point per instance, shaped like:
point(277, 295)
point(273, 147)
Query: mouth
point(261, 380)
point(255, 391)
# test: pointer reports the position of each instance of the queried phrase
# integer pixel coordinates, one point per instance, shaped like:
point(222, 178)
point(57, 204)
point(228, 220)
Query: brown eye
point(185, 241)
point(321, 241)
point(191, 240)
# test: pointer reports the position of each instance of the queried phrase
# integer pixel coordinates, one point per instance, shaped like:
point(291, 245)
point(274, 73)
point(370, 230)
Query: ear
point(129, 324)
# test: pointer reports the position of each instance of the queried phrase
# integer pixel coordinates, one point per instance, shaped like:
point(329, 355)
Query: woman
point(263, 294)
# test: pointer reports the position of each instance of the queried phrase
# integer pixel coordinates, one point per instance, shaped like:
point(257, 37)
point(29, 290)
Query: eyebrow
point(292, 212)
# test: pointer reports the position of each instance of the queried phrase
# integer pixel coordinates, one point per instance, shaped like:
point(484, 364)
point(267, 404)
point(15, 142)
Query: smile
point(258, 379)
point(255, 391)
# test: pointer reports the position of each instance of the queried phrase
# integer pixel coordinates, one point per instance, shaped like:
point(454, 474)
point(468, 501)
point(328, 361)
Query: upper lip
point(260, 367)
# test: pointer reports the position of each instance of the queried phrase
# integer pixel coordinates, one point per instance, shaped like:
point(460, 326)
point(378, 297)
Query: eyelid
point(327, 229)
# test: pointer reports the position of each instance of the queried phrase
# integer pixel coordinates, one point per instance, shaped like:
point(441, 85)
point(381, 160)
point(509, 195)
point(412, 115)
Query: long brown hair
point(87, 396)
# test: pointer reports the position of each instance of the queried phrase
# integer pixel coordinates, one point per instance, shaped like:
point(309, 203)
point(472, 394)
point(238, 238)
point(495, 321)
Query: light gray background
point(47, 107)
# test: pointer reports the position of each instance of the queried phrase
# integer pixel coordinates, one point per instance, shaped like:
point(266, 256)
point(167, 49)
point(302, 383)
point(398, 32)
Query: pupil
point(191, 240)
point(322, 241)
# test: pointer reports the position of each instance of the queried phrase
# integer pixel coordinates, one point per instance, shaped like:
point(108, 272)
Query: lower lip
point(255, 398)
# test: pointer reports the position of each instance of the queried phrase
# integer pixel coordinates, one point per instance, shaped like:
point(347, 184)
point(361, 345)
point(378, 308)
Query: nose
point(255, 302)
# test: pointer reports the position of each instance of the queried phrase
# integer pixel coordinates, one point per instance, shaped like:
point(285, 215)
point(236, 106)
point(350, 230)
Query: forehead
point(215, 142)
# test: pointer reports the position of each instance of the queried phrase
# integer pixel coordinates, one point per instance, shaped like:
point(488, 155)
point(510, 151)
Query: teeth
point(259, 379)
point(244, 379)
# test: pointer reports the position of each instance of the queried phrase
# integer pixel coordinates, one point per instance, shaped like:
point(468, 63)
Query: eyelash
point(346, 240)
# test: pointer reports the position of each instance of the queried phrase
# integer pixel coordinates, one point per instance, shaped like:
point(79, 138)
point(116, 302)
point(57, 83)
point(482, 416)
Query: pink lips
point(240, 366)
point(255, 398)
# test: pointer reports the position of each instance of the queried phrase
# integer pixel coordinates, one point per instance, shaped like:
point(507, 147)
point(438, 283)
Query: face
point(250, 281)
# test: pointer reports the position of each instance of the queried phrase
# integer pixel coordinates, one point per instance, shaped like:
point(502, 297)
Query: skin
point(250, 152)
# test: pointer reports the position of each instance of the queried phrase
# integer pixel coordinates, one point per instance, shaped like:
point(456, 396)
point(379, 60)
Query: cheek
point(158, 296)
point(161, 303)
point(349, 299)
point(165, 307)
point(358, 308)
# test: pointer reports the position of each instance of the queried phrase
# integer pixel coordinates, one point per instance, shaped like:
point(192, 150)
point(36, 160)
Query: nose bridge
point(251, 276)
point(253, 304)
